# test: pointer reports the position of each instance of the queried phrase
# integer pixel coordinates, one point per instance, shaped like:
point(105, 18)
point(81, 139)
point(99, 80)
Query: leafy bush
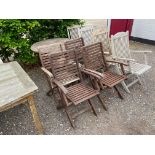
point(17, 36)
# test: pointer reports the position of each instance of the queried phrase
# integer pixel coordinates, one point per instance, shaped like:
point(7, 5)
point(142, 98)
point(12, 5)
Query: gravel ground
point(133, 115)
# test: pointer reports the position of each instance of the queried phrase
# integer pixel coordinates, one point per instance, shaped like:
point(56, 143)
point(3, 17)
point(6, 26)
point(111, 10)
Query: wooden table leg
point(35, 116)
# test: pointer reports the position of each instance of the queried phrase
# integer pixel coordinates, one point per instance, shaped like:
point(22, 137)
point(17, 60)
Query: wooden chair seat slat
point(78, 89)
point(111, 79)
point(76, 97)
point(86, 98)
point(82, 93)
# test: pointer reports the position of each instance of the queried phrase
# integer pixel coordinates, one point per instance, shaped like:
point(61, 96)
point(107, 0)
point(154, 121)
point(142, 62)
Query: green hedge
point(17, 36)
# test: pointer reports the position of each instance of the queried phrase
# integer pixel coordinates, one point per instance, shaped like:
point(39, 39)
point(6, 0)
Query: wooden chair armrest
point(106, 53)
point(126, 59)
point(118, 62)
point(64, 90)
point(140, 51)
point(48, 73)
point(92, 73)
point(144, 52)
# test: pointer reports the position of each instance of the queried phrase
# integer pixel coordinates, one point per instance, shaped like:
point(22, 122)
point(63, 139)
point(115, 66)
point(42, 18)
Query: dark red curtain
point(119, 25)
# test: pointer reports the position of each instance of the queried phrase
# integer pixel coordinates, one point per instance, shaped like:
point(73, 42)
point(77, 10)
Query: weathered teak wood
point(44, 57)
point(35, 114)
point(121, 51)
point(45, 51)
point(45, 43)
point(73, 32)
point(66, 65)
point(75, 44)
point(94, 62)
point(16, 88)
point(87, 34)
point(46, 66)
point(103, 37)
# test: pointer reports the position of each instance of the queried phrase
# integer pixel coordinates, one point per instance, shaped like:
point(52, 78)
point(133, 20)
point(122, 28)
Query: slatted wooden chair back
point(120, 45)
point(45, 51)
point(93, 57)
point(75, 44)
point(73, 32)
point(87, 34)
point(103, 37)
point(64, 66)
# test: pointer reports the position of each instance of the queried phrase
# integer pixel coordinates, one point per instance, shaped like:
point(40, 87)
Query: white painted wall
point(144, 28)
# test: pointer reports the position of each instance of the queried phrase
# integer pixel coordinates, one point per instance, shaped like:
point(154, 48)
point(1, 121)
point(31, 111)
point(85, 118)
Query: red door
point(119, 25)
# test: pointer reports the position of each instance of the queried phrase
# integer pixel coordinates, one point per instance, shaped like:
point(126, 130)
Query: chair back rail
point(64, 65)
point(120, 45)
point(73, 32)
point(87, 34)
point(75, 44)
point(45, 51)
point(93, 56)
point(103, 37)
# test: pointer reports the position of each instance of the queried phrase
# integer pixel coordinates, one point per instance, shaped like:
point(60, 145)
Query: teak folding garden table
point(16, 88)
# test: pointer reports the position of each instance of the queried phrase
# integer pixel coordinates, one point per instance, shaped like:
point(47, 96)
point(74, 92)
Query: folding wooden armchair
point(73, 32)
point(103, 37)
point(121, 51)
point(64, 66)
point(46, 65)
point(94, 61)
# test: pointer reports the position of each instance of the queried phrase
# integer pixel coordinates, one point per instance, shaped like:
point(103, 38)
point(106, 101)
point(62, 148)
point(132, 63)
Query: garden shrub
point(17, 36)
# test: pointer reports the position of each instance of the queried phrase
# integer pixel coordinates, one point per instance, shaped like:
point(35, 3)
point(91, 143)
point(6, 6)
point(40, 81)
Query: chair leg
point(119, 94)
point(139, 80)
point(125, 87)
point(50, 92)
point(69, 117)
point(144, 83)
point(60, 102)
point(93, 109)
point(102, 102)
point(64, 100)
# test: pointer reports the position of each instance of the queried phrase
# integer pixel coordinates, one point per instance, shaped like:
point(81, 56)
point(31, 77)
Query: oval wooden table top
point(35, 47)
